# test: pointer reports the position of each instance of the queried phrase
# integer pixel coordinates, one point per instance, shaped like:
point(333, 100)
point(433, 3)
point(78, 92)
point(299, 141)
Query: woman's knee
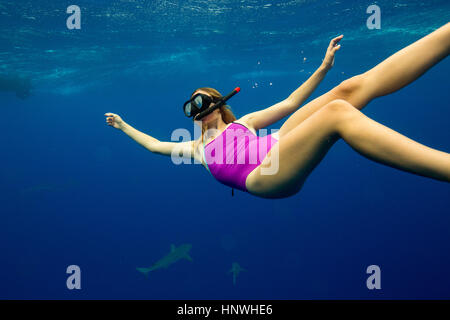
point(338, 107)
point(338, 111)
point(347, 88)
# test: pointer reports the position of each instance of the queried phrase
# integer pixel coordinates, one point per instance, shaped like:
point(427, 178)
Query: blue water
point(74, 191)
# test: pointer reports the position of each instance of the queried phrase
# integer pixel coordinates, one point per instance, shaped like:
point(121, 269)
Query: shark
point(235, 270)
point(21, 86)
point(175, 254)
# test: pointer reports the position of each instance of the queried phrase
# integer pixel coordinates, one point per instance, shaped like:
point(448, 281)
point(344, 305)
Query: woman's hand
point(114, 120)
point(328, 61)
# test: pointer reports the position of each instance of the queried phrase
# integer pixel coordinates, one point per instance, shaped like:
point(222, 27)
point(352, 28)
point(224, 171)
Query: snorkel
point(218, 104)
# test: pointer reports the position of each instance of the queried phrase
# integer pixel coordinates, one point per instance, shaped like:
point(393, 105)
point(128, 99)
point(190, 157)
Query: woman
point(307, 135)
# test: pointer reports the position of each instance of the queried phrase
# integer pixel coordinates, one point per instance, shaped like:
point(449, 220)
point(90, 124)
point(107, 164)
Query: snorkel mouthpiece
point(218, 104)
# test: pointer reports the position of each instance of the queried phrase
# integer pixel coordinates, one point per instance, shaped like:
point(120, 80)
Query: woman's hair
point(225, 110)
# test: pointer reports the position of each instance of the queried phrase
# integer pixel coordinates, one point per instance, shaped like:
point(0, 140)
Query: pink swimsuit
point(233, 154)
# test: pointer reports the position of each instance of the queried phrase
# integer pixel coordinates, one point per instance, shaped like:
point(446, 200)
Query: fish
point(235, 269)
point(175, 254)
point(21, 86)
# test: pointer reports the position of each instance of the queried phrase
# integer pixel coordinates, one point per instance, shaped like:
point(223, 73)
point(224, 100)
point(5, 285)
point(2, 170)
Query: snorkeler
point(307, 135)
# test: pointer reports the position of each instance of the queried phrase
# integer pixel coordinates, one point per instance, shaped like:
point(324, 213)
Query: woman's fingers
point(333, 47)
point(335, 41)
point(113, 120)
point(110, 118)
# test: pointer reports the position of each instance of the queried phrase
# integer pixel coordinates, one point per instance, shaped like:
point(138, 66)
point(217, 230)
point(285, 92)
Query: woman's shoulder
point(244, 122)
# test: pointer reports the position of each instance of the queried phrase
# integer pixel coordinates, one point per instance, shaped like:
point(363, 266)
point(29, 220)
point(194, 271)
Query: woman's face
point(213, 115)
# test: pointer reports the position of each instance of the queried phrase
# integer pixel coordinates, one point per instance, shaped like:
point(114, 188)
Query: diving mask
point(198, 105)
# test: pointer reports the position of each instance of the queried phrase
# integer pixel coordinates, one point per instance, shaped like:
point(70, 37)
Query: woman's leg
point(302, 149)
point(392, 74)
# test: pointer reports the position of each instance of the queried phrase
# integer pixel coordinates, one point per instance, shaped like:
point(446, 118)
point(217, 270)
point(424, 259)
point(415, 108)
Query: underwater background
point(74, 191)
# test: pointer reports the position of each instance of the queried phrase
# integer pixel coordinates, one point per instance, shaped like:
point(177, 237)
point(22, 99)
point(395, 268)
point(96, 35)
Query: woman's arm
point(148, 142)
point(263, 118)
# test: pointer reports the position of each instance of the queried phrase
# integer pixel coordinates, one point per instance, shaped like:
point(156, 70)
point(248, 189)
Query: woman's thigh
point(290, 161)
point(351, 90)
